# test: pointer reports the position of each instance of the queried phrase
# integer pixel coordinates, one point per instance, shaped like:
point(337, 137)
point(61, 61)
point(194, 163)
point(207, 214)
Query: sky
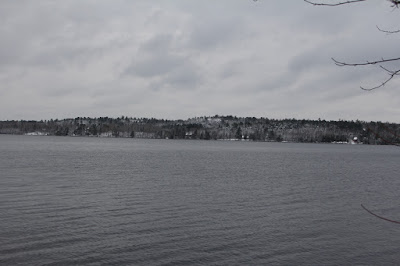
point(178, 59)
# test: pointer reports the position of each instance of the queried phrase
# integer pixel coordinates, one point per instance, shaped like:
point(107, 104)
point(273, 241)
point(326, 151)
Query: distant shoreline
point(214, 128)
point(225, 140)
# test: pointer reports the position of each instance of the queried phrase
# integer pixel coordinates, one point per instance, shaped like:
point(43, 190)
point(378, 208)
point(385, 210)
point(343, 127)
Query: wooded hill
point(216, 127)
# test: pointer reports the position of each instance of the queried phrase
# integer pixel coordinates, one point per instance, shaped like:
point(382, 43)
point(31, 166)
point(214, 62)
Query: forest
point(214, 128)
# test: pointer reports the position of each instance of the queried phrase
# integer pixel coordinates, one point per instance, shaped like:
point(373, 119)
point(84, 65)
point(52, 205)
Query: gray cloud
point(176, 59)
point(153, 65)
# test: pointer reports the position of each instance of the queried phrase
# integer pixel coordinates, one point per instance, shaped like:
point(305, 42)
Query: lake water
point(97, 201)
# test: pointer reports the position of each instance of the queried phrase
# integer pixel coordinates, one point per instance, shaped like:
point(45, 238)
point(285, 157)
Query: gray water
point(96, 201)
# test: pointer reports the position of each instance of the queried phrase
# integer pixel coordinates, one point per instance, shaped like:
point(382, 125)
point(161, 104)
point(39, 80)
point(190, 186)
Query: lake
point(108, 201)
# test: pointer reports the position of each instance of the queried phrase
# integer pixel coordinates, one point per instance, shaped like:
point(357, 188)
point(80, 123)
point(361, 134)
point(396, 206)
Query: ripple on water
point(142, 202)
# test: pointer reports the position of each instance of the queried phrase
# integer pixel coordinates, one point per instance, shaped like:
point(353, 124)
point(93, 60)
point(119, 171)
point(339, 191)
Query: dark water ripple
point(87, 201)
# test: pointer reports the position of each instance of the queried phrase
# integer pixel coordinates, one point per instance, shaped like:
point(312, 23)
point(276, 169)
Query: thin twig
point(337, 4)
point(392, 74)
point(388, 31)
point(380, 217)
point(396, 3)
point(339, 63)
point(385, 140)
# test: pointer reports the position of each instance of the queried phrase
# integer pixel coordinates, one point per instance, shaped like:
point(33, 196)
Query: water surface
point(98, 201)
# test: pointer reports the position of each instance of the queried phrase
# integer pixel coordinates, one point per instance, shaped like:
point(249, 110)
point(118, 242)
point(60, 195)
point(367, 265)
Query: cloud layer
point(180, 59)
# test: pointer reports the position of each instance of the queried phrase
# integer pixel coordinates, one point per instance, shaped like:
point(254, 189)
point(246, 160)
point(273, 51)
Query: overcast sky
point(178, 59)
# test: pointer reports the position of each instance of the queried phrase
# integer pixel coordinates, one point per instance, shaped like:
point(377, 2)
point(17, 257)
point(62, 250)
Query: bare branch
point(388, 31)
point(392, 74)
point(396, 72)
point(337, 4)
point(395, 3)
point(339, 63)
point(383, 138)
point(380, 217)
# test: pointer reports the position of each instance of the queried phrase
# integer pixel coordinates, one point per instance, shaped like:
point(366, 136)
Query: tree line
point(213, 128)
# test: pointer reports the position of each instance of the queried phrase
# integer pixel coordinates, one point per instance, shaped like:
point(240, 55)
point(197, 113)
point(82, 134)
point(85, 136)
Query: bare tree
point(381, 62)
